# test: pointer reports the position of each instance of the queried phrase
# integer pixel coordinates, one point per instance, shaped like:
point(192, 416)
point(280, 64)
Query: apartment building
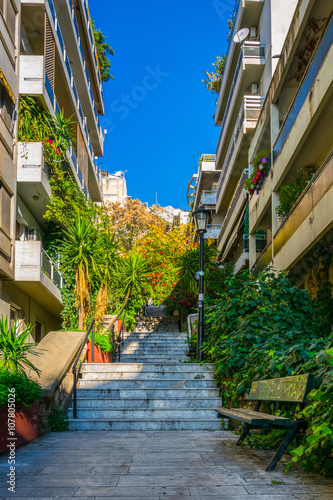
point(202, 192)
point(259, 31)
point(295, 125)
point(114, 187)
point(53, 59)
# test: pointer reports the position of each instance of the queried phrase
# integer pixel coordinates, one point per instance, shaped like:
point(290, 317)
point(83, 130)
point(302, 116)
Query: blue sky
point(158, 114)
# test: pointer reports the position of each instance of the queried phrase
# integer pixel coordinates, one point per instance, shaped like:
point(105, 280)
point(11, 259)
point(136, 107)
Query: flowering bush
point(260, 163)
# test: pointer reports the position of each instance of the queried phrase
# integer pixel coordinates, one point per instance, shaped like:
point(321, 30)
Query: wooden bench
point(285, 390)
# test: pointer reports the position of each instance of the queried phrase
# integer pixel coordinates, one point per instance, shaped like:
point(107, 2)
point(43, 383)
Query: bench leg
point(246, 430)
point(285, 443)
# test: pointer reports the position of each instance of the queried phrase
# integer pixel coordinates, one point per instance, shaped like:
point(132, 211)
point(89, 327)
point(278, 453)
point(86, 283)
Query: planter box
point(26, 425)
point(99, 356)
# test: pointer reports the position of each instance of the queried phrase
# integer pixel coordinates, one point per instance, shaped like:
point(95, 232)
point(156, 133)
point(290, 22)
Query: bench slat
point(254, 417)
point(287, 389)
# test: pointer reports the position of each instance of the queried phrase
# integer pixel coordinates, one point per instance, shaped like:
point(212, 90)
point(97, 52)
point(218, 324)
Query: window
point(7, 107)
point(38, 331)
point(14, 316)
point(11, 18)
point(5, 209)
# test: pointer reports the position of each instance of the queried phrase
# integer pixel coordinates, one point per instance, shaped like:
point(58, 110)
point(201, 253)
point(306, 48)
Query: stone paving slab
point(153, 465)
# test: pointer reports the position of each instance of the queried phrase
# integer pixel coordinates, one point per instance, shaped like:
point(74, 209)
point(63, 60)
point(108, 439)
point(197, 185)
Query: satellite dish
point(241, 35)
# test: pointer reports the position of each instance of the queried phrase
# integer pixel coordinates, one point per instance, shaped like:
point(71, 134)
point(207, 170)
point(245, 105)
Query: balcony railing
point(249, 111)
point(208, 198)
point(51, 269)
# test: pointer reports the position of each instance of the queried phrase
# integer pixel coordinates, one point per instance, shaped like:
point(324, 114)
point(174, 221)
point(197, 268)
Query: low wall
point(57, 353)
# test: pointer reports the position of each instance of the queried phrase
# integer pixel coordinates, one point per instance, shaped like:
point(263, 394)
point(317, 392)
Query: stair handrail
point(74, 369)
point(120, 336)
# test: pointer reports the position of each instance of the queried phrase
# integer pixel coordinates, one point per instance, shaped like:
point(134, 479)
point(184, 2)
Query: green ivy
point(290, 192)
point(57, 421)
point(26, 391)
point(264, 327)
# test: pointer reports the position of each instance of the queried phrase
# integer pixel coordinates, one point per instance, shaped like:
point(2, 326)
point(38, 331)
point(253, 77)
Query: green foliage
point(263, 327)
point(57, 421)
point(103, 342)
point(14, 348)
point(103, 50)
point(290, 192)
point(214, 79)
point(26, 391)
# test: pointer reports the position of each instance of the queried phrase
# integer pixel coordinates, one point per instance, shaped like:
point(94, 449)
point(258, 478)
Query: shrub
point(26, 391)
point(57, 421)
point(103, 342)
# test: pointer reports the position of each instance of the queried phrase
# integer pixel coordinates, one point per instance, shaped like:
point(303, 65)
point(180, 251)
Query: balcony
point(309, 219)
point(305, 135)
point(34, 82)
point(213, 231)
point(236, 208)
point(247, 118)
point(78, 66)
point(92, 51)
point(38, 276)
point(33, 175)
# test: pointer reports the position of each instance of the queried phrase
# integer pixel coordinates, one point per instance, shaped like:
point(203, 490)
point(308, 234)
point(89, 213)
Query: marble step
point(152, 359)
point(168, 336)
point(161, 375)
point(147, 394)
point(147, 367)
point(148, 384)
point(144, 425)
point(146, 403)
point(147, 413)
point(156, 351)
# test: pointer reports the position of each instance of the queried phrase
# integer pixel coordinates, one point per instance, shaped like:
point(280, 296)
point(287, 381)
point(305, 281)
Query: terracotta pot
point(26, 425)
point(99, 356)
point(119, 322)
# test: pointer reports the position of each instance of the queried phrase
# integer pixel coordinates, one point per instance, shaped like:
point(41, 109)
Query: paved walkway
point(153, 465)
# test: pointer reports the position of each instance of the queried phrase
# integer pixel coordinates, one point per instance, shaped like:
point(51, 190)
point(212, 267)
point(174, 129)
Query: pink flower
point(50, 141)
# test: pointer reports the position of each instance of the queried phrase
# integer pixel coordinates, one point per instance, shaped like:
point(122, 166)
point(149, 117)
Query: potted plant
point(103, 349)
point(19, 409)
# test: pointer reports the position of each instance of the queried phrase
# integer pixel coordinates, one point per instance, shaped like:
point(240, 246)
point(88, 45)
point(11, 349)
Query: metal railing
point(51, 269)
point(74, 369)
point(120, 334)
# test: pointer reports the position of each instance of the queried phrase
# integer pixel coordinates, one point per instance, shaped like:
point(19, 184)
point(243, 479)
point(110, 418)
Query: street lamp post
point(201, 217)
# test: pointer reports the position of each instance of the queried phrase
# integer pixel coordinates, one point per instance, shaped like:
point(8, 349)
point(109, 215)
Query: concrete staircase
point(151, 388)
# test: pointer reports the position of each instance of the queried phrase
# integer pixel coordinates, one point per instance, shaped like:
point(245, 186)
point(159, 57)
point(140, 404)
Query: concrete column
point(252, 249)
point(275, 123)
point(275, 218)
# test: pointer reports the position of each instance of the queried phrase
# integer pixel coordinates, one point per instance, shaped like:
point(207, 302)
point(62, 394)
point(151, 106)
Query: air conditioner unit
point(254, 88)
point(253, 33)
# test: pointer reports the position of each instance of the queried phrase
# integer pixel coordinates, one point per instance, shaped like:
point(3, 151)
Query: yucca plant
point(14, 348)
point(130, 276)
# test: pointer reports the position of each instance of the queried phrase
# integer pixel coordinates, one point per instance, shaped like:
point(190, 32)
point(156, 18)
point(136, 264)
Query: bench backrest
point(287, 389)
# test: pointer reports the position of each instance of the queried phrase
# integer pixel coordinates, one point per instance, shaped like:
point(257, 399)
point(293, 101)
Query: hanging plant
point(260, 163)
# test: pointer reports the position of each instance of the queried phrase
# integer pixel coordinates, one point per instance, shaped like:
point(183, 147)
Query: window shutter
point(49, 52)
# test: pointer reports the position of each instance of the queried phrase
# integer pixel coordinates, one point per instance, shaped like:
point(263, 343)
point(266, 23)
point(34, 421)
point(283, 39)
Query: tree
point(103, 50)
point(133, 221)
point(81, 252)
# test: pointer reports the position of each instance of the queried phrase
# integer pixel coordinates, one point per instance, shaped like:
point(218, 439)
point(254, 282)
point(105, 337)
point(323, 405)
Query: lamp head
point(201, 218)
